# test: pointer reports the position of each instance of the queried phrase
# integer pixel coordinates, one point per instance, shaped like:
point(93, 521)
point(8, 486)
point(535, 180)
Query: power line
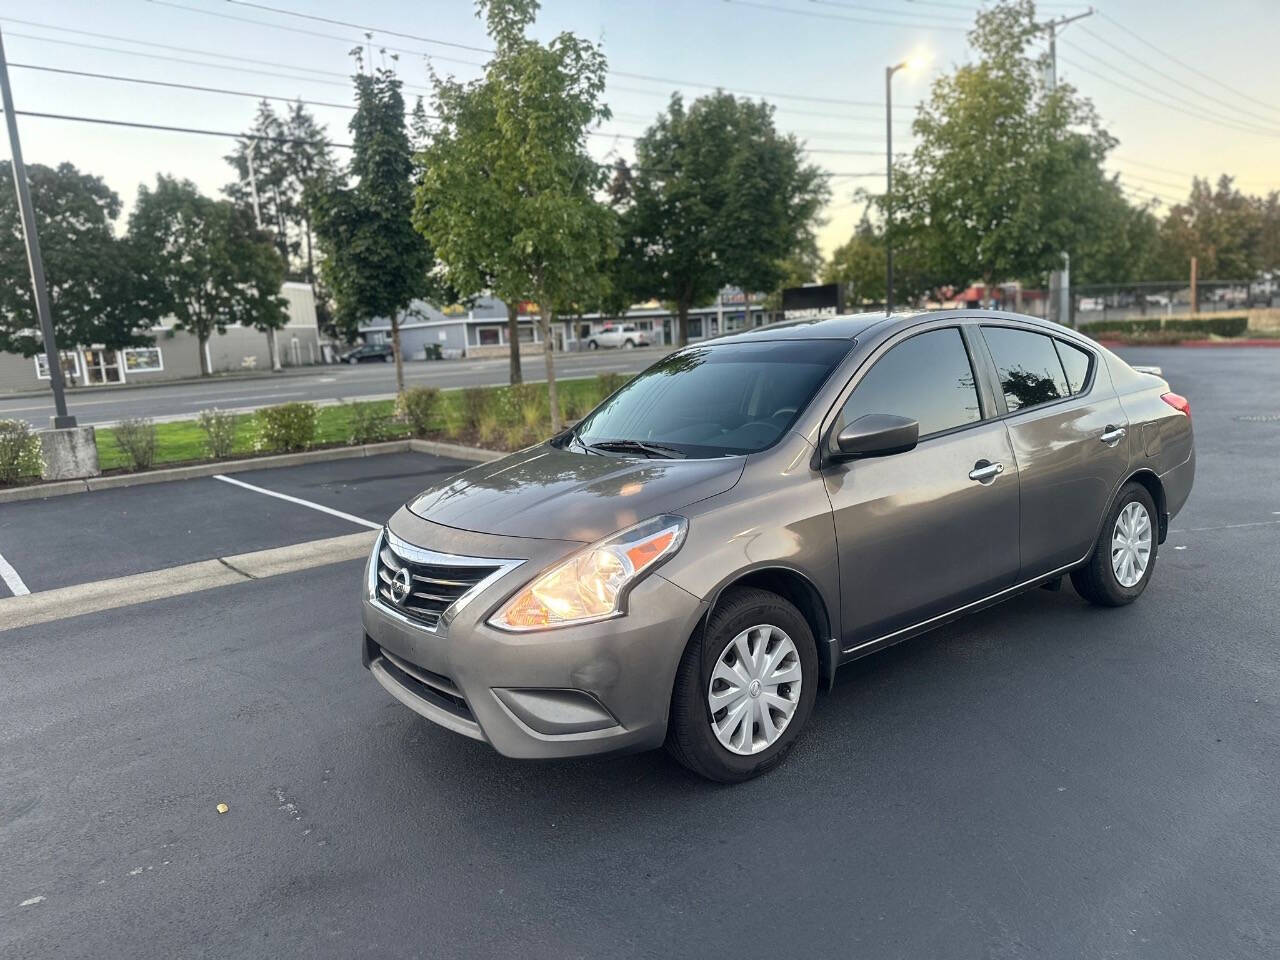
point(835, 16)
point(674, 81)
point(1172, 106)
point(890, 12)
point(1200, 108)
point(1186, 66)
point(1180, 173)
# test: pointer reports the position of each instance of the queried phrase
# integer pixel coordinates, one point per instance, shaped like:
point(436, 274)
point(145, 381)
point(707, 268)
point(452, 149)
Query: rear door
point(923, 532)
point(1070, 439)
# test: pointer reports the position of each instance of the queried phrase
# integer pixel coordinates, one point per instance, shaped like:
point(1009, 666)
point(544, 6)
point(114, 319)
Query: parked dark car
point(369, 353)
point(692, 562)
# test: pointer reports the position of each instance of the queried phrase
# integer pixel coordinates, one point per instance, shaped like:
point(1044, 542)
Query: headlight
point(593, 583)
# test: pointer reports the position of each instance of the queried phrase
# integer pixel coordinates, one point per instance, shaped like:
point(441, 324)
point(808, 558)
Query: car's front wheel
point(744, 689)
point(1124, 557)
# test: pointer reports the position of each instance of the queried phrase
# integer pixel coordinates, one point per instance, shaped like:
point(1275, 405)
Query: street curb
point(41, 491)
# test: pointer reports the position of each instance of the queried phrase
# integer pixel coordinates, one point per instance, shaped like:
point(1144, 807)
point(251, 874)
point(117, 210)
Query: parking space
point(112, 533)
point(1042, 779)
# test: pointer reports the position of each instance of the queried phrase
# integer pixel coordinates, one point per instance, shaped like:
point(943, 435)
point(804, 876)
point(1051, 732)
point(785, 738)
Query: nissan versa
point(692, 562)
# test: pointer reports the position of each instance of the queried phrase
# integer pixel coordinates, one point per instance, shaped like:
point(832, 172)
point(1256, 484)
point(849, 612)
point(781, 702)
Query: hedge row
point(1222, 325)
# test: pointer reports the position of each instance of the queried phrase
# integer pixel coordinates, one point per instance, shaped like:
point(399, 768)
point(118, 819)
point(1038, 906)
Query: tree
point(375, 263)
point(507, 188)
point(858, 263)
point(1223, 228)
point(1006, 174)
point(205, 263)
point(718, 197)
point(91, 273)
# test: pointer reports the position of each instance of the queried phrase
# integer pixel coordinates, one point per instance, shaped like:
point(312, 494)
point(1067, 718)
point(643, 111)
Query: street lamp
point(911, 63)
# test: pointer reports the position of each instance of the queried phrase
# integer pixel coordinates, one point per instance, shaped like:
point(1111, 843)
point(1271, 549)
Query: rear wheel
point(744, 689)
point(388, 358)
point(1124, 558)
point(628, 345)
point(593, 345)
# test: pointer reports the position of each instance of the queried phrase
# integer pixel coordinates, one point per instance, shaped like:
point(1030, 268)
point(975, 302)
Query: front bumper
point(602, 687)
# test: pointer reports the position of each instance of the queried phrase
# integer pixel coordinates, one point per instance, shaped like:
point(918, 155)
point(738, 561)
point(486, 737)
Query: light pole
point(910, 63)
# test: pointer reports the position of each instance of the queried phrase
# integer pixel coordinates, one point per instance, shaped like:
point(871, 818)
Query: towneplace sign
point(817, 300)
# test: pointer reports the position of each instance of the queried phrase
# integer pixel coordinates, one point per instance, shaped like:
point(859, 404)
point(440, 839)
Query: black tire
point(591, 344)
point(628, 345)
point(690, 739)
point(389, 358)
point(1096, 581)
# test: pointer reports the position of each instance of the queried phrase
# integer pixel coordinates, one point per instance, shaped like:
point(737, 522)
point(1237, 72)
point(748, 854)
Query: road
point(339, 382)
point(1043, 779)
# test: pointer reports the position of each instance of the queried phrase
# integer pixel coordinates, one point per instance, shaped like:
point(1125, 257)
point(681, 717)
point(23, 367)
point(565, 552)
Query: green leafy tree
point(1220, 226)
point(375, 262)
point(1006, 174)
point(507, 189)
point(859, 264)
point(205, 263)
point(93, 293)
point(717, 196)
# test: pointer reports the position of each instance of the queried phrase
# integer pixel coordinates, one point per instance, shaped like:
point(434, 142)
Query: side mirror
point(876, 435)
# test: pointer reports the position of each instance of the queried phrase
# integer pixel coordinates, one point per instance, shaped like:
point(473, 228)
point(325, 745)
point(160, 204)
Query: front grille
point(433, 687)
point(433, 587)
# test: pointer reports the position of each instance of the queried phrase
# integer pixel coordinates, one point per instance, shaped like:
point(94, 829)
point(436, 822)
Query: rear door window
point(926, 377)
point(1028, 365)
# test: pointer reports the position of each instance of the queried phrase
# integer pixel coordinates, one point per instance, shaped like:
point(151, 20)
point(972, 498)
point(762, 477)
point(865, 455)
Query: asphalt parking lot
point(1043, 779)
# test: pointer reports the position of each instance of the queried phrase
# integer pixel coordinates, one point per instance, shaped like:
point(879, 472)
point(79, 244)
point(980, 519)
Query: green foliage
point(859, 264)
point(219, 428)
point(136, 438)
point(206, 264)
point(1232, 235)
point(476, 402)
point(287, 427)
point(421, 407)
point(610, 383)
point(368, 423)
point(1220, 325)
point(92, 275)
point(717, 197)
point(506, 188)
point(1006, 174)
point(20, 454)
point(375, 262)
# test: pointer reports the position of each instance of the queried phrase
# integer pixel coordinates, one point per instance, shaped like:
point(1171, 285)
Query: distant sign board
point(819, 300)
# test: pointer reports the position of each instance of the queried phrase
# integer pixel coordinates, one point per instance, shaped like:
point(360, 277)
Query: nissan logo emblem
point(401, 583)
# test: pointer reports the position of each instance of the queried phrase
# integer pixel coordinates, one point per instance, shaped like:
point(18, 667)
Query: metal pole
point(888, 189)
point(61, 418)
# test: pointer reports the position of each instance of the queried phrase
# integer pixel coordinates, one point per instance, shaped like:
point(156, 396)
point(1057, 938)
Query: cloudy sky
point(1188, 88)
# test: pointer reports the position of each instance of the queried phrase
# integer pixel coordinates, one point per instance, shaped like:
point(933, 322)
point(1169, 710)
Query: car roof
point(851, 326)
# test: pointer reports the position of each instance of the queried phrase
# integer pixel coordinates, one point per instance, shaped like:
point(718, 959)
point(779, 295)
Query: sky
point(1187, 88)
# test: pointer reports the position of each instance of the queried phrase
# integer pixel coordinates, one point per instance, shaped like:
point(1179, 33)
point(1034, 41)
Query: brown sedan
point(693, 561)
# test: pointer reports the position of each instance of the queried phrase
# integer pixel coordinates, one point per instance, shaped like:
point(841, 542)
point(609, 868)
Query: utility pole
point(888, 187)
point(40, 289)
point(272, 343)
point(1060, 280)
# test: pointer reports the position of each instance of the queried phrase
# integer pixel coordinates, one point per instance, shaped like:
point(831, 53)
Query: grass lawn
point(501, 418)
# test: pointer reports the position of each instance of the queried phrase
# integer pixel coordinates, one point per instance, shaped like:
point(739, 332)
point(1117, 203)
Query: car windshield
point(714, 401)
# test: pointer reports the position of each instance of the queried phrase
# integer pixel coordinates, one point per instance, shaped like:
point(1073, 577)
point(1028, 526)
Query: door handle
point(1112, 434)
point(983, 471)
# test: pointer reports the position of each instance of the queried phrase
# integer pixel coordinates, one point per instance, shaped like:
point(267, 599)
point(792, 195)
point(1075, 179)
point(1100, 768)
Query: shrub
point(609, 383)
point(136, 438)
point(487, 428)
point(476, 403)
point(367, 423)
point(1221, 325)
point(420, 406)
point(219, 428)
point(20, 454)
point(516, 436)
point(290, 426)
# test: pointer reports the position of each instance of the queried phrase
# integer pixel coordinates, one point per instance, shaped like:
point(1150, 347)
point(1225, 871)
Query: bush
point(20, 454)
point(368, 424)
point(1172, 330)
point(219, 428)
point(488, 427)
point(610, 383)
point(475, 405)
point(420, 406)
point(136, 439)
point(288, 427)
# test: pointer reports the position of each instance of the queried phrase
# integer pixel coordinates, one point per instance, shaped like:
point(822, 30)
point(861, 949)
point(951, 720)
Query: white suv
point(625, 336)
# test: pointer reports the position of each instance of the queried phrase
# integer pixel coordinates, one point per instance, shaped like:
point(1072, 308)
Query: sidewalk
point(229, 377)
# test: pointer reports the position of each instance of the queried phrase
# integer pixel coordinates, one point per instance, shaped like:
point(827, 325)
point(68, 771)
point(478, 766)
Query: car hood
point(546, 492)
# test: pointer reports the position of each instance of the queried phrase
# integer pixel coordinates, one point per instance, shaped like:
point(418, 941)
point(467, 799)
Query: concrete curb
point(41, 491)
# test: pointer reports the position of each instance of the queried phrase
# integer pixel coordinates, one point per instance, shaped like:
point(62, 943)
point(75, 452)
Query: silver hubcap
point(754, 689)
point(1131, 544)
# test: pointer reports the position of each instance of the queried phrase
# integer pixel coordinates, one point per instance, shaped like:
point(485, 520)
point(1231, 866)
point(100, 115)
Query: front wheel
point(388, 358)
point(1124, 557)
point(744, 689)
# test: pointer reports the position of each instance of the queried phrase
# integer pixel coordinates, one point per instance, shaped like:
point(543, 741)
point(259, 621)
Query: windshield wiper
point(635, 446)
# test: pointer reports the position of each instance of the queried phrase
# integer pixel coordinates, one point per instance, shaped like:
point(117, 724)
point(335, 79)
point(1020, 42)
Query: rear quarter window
point(1028, 365)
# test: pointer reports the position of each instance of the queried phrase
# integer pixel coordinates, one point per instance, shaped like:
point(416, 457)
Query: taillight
point(1178, 402)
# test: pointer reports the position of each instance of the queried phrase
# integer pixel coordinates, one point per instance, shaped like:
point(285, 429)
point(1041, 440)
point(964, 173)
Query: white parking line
point(303, 503)
point(11, 578)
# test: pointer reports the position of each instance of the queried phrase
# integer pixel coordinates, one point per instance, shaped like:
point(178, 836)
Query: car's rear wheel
point(591, 344)
point(1124, 558)
point(628, 345)
point(744, 689)
point(387, 358)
